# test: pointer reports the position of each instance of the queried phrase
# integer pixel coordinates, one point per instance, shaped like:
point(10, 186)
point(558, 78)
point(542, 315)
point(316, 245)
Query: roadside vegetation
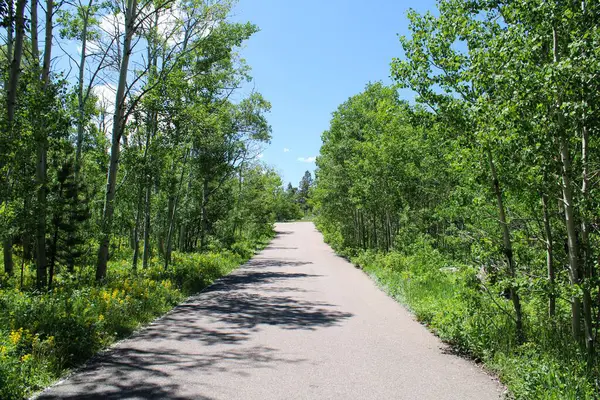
point(54, 331)
point(295, 202)
point(477, 206)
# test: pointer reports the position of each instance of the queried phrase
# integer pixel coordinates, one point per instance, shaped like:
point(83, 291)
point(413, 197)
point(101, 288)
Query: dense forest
point(477, 206)
point(130, 172)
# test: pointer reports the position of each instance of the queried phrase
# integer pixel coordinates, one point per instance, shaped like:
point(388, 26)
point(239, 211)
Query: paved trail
point(296, 322)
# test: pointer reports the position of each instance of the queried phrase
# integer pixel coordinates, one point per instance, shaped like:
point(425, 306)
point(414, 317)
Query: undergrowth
point(44, 334)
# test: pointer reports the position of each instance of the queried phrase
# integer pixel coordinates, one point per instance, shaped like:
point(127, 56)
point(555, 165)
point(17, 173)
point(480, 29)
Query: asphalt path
point(295, 322)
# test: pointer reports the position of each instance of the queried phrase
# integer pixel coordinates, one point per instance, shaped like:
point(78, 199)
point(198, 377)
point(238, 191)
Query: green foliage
point(69, 211)
point(47, 333)
point(287, 208)
point(304, 195)
point(292, 203)
point(192, 273)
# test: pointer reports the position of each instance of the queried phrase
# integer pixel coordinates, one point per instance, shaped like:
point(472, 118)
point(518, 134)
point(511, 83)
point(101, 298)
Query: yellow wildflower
point(100, 317)
point(15, 336)
point(26, 357)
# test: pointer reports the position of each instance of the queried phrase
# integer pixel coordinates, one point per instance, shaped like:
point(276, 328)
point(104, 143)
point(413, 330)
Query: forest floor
point(295, 322)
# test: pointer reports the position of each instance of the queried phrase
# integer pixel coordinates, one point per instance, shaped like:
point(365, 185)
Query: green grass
point(43, 335)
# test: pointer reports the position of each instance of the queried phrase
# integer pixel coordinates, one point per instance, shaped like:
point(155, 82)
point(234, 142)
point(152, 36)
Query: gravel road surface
point(295, 322)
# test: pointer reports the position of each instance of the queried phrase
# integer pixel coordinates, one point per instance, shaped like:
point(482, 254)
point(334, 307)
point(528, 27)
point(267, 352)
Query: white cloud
point(286, 150)
point(106, 101)
point(170, 24)
point(307, 159)
point(93, 46)
point(106, 96)
point(113, 24)
point(261, 155)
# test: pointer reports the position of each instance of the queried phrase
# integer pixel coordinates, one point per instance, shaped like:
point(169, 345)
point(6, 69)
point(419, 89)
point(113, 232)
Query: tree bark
point(571, 236)
point(117, 131)
point(136, 229)
point(171, 218)
point(48, 43)
point(549, 257)
point(80, 93)
point(507, 249)
point(54, 249)
point(10, 33)
point(9, 266)
point(41, 165)
point(35, 50)
point(148, 180)
point(11, 104)
point(183, 237)
point(151, 126)
point(147, 209)
point(569, 209)
point(40, 256)
point(15, 67)
point(587, 266)
point(203, 220)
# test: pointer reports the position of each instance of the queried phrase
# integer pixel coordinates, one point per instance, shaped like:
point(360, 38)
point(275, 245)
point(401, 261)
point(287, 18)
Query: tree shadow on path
point(208, 334)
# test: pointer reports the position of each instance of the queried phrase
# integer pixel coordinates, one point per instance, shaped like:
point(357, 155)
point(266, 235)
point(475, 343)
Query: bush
point(243, 249)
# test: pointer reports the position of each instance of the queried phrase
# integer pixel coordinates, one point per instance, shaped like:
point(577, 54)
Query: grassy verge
point(43, 335)
point(450, 300)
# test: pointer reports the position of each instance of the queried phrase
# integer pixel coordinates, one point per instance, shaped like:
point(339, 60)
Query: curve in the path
point(295, 322)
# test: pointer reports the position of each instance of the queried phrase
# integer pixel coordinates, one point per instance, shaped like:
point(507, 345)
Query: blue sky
point(309, 57)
